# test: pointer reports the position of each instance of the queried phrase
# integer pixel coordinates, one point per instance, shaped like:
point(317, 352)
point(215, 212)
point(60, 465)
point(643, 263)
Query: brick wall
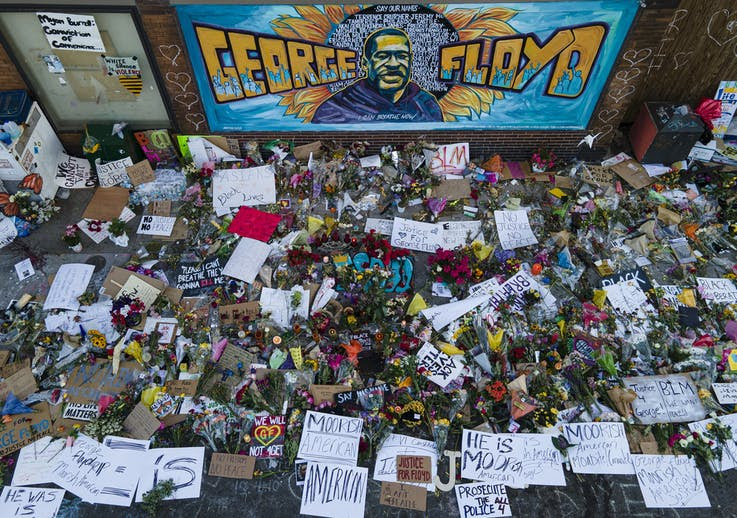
point(10, 79)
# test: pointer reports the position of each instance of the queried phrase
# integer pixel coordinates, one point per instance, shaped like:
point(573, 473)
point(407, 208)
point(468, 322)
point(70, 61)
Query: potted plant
point(542, 160)
point(118, 234)
point(72, 238)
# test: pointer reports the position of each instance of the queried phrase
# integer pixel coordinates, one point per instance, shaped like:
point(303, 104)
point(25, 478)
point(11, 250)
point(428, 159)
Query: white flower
point(705, 439)
point(683, 443)
point(689, 438)
point(12, 199)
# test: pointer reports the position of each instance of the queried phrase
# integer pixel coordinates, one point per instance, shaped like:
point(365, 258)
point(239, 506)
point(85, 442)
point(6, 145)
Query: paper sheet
point(70, 282)
point(233, 188)
point(247, 259)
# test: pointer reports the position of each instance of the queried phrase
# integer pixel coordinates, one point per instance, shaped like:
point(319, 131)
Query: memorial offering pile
point(323, 311)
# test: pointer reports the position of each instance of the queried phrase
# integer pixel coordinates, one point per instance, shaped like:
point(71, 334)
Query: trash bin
point(664, 133)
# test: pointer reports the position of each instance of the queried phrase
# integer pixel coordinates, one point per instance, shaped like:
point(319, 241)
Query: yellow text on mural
point(242, 64)
point(512, 62)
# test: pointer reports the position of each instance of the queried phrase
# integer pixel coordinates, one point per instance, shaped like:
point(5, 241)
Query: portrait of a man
point(386, 94)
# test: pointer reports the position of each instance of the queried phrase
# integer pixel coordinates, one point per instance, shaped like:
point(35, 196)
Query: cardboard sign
point(482, 499)
point(232, 466)
point(404, 496)
point(599, 448)
point(333, 490)
point(665, 399)
point(88, 382)
point(25, 428)
point(117, 277)
point(453, 189)
point(235, 313)
point(80, 411)
point(140, 172)
point(160, 208)
point(141, 423)
point(113, 173)
point(520, 459)
point(304, 151)
point(11, 368)
point(71, 32)
point(670, 481)
point(21, 384)
point(267, 436)
point(236, 359)
point(597, 175)
point(414, 468)
point(513, 228)
point(30, 501)
point(330, 438)
point(107, 204)
point(186, 388)
point(233, 188)
point(448, 159)
point(73, 173)
point(156, 225)
point(322, 393)
point(633, 173)
point(440, 368)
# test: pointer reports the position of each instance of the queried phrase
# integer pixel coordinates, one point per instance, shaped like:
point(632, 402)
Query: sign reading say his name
point(113, 173)
point(330, 438)
point(334, 490)
point(233, 188)
point(416, 235)
point(73, 172)
point(448, 159)
point(268, 436)
point(71, 32)
point(196, 278)
point(514, 229)
point(366, 398)
point(482, 499)
point(515, 460)
point(156, 225)
point(441, 367)
point(598, 448)
point(716, 290)
point(665, 399)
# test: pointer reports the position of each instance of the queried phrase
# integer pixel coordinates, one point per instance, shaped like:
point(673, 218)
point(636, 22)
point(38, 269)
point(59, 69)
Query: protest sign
point(71, 32)
point(268, 436)
point(448, 159)
point(416, 235)
point(80, 411)
point(385, 468)
point(232, 466)
point(726, 393)
point(156, 225)
point(35, 502)
point(482, 499)
point(414, 468)
point(717, 290)
point(330, 438)
point(88, 381)
point(233, 188)
point(196, 278)
point(515, 460)
point(73, 173)
point(113, 173)
point(246, 260)
point(140, 173)
point(32, 467)
point(728, 448)
point(598, 448)
point(182, 465)
point(70, 282)
point(25, 428)
point(438, 366)
point(405, 496)
point(514, 229)
point(334, 490)
point(322, 393)
point(671, 481)
point(665, 399)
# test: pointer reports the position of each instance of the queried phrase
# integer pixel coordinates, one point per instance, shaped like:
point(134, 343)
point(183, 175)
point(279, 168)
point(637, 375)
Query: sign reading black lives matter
point(197, 278)
point(71, 32)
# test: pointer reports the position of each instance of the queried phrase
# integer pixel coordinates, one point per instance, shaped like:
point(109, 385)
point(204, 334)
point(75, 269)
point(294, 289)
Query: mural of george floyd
point(523, 66)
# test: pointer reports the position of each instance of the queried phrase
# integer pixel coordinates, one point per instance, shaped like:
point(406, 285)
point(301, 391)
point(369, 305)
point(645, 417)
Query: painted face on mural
point(387, 62)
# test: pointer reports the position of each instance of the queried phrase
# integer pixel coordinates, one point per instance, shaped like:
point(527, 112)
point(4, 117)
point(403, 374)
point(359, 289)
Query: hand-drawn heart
point(267, 434)
point(184, 99)
point(196, 119)
point(635, 57)
point(722, 27)
point(603, 131)
point(620, 93)
point(402, 234)
point(626, 75)
point(680, 59)
point(607, 115)
point(170, 52)
point(173, 78)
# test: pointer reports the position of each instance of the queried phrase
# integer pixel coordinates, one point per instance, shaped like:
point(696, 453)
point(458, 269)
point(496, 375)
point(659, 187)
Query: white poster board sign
point(34, 502)
point(665, 399)
point(156, 225)
point(514, 229)
point(417, 235)
point(73, 172)
point(482, 499)
point(232, 188)
point(448, 159)
point(334, 490)
point(71, 32)
point(439, 367)
point(182, 465)
point(600, 448)
point(729, 451)
point(726, 393)
point(113, 173)
point(717, 290)
point(385, 468)
point(670, 481)
point(330, 438)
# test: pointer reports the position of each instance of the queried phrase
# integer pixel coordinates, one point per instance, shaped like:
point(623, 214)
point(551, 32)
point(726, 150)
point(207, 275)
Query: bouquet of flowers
point(127, 312)
point(71, 236)
point(542, 159)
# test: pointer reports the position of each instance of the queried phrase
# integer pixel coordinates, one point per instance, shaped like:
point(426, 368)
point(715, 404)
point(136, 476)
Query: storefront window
point(85, 66)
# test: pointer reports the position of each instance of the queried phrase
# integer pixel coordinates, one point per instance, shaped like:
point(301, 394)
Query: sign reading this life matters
point(539, 65)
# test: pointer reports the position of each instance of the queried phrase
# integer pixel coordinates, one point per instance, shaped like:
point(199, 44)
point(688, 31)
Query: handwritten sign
point(514, 229)
point(232, 466)
point(626, 296)
point(380, 226)
point(416, 235)
point(70, 282)
point(597, 175)
point(186, 388)
point(139, 289)
point(516, 285)
point(726, 393)
point(405, 496)
point(8, 232)
point(113, 173)
point(459, 233)
point(482, 499)
point(670, 481)
point(117, 66)
point(515, 460)
point(24, 429)
point(322, 393)
point(33, 464)
point(235, 313)
point(330, 438)
point(196, 278)
point(268, 436)
point(717, 290)
point(156, 225)
point(635, 274)
point(729, 451)
point(444, 314)
point(90, 381)
point(439, 367)
point(598, 448)
point(385, 468)
point(333, 490)
point(73, 172)
point(247, 259)
point(243, 187)
point(35, 502)
point(80, 411)
point(140, 173)
point(182, 465)
point(665, 399)
point(414, 468)
point(141, 423)
point(448, 159)
point(21, 383)
point(71, 32)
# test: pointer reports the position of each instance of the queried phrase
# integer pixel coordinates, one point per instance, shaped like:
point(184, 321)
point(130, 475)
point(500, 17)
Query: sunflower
point(461, 101)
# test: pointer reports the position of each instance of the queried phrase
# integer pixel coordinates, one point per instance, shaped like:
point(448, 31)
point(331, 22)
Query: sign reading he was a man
point(439, 66)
